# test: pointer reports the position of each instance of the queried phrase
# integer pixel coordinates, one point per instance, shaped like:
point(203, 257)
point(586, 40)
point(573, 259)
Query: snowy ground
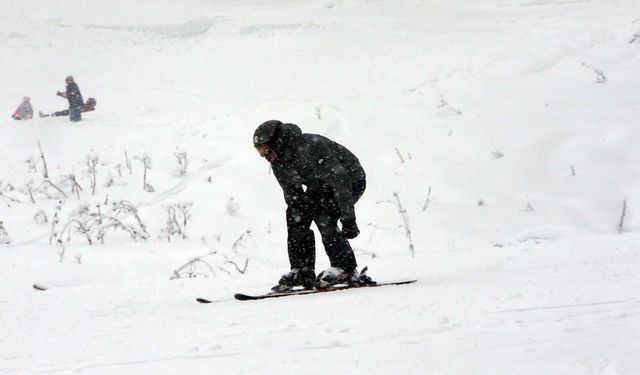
point(507, 129)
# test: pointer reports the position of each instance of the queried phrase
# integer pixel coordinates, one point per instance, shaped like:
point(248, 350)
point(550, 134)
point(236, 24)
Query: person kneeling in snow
point(89, 106)
point(24, 111)
point(321, 181)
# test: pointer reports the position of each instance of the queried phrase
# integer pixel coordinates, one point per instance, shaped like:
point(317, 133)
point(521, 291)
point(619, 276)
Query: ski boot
point(304, 277)
point(362, 278)
point(336, 275)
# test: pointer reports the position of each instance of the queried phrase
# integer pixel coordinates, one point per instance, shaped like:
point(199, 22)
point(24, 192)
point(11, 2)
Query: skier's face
point(267, 152)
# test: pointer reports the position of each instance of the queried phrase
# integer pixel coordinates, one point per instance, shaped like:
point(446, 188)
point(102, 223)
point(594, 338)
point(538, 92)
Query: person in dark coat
point(24, 110)
point(72, 94)
point(321, 181)
point(89, 106)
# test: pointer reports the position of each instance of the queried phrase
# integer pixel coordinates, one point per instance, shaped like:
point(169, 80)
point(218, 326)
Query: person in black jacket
point(321, 181)
point(72, 94)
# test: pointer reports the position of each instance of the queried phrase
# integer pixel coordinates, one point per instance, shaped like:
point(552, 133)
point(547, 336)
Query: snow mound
point(549, 233)
point(187, 29)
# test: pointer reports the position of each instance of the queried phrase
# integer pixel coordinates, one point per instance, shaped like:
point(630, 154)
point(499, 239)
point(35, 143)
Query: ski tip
point(242, 297)
point(203, 300)
point(39, 286)
point(406, 282)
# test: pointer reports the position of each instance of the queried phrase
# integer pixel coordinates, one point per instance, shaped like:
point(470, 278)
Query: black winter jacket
point(73, 95)
point(320, 164)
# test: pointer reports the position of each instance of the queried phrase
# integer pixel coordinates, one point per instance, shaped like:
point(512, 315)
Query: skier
point(321, 181)
point(24, 110)
point(89, 106)
point(72, 94)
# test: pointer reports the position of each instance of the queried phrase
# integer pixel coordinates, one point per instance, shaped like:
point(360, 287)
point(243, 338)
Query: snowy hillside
point(507, 130)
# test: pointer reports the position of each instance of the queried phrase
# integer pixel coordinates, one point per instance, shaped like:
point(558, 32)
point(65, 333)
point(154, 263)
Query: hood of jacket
point(285, 140)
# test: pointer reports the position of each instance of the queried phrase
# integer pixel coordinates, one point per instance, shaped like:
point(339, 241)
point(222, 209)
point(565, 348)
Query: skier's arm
point(336, 176)
point(293, 194)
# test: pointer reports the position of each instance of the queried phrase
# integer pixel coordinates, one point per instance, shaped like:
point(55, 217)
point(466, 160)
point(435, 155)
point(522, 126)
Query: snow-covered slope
point(506, 129)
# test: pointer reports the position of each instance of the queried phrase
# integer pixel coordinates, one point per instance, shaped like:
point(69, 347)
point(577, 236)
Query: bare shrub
point(600, 76)
point(232, 207)
point(182, 163)
point(444, 105)
point(178, 215)
point(146, 162)
point(207, 265)
point(405, 220)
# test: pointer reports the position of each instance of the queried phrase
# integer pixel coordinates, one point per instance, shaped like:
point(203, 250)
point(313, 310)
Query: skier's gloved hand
point(349, 228)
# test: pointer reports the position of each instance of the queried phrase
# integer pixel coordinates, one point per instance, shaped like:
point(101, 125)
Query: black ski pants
point(75, 113)
point(320, 207)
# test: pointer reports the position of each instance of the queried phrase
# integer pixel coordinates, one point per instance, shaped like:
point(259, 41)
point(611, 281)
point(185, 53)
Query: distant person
point(72, 94)
point(89, 106)
point(24, 111)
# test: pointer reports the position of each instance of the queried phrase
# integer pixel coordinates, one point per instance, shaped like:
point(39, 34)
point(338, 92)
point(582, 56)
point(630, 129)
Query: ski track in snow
point(183, 184)
point(185, 30)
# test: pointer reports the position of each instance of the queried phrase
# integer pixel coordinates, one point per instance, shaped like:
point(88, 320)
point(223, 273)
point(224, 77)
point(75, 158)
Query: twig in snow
point(496, 154)
point(54, 222)
point(190, 270)
point(446, 106)
point(40, 218)
point(33, 166)
point(81, 227)
point(75, 186)
point(146, 161)
point(177, 217)
point(428, 201)
point(529, 207)
point(48, 182)
point(61, 251)
point(45, 171)
point(622, 216)
point(240, 270)
point(405, 220)
point(7, 187)
point(118, 169)
point(232, 207)
point(240, 241)
point(128, 162)
point(92, 161)
point(28, 187)
point(600, 77)
point(399, 155)
point(181, 168)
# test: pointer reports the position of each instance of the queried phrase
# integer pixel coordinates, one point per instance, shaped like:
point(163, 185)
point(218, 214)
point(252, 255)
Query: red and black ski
point(247, 297)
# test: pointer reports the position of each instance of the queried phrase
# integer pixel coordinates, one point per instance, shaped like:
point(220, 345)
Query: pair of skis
point(248, 297)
